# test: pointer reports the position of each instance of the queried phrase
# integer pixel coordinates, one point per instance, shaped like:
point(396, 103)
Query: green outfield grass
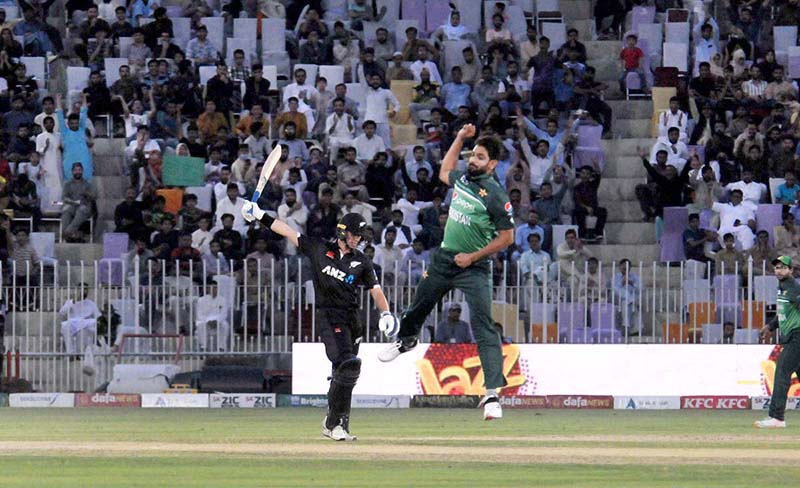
point(282, 447)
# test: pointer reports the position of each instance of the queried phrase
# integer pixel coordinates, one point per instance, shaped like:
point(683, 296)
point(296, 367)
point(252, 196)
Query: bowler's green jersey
point(479, 209)
point(788, 305)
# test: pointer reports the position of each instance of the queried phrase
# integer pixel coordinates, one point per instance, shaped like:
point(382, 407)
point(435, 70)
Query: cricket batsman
point(339, 268)
point(788, 320)
point(479, 224)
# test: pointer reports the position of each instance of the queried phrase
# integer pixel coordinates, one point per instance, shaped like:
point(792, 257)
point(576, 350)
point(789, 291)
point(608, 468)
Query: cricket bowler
point(339, 269)
point(479, 224)
point(788, 320)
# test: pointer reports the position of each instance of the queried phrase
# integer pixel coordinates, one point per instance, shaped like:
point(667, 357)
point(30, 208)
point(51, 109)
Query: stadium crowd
point(731, 127)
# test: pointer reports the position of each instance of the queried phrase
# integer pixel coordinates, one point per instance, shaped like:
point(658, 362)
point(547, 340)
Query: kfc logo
point(715, 403)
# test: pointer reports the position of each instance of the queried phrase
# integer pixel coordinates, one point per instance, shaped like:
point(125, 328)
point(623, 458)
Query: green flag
point(182, 171)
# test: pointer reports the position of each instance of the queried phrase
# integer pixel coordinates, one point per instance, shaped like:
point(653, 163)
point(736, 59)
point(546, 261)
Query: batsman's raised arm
point(251, 211)
point(451, 158)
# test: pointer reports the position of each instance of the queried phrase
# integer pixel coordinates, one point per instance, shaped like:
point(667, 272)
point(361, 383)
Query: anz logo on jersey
point(338, 274)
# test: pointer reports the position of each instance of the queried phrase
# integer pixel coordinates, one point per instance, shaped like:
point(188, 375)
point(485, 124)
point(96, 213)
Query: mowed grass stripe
point(325, 449)
point(222, 472)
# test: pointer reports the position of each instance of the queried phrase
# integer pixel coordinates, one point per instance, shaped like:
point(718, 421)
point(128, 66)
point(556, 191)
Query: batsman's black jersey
point(337, 277)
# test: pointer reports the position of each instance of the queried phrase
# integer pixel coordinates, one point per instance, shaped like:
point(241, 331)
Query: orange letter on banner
point(430, 385)
point(461, 384)
point(510, 358)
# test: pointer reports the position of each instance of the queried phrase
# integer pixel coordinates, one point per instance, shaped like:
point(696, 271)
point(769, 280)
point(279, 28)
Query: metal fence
point(265, 306)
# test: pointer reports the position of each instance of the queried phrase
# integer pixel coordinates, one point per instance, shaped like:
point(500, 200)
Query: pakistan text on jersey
point(459, 217)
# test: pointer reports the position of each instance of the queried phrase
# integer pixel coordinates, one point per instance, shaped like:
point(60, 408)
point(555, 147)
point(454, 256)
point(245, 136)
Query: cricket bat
point(266, 171)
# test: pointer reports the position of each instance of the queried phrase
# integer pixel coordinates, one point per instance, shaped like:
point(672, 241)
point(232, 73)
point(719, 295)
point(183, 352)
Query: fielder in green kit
point(479, 224)
point(788, 320)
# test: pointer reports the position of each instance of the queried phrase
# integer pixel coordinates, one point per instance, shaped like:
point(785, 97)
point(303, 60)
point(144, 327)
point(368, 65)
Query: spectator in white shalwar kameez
point(81, 319)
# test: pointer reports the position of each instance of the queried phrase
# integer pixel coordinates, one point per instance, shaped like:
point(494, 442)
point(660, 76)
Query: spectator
point(453, 330)
point(695, 240)
point(388, 256)
point(232, 206)
point(524, 230)
point(530, 46)
point(139, 52)
point(75, 141)
point(404, 234)
point(455, 93)
point(213, 310)
point(166, 239)
point(323, 217)
point(79, 199)
point(228, 236)
point(256, 89)
point(164, 48)
point(603, 10)
point(544, 65)
point(339, 128)
point(627, 288)
point(470, 68)
point(200, 50)
point(415, 260)
point(384, 47)
point(121, 27)
point(98, 96)
point(210, 122)
point(534, 263)
point(704, 88)
point(36, 40)
point(424, 62)
point(738, 219)
point(787, 237)
point(787, 191)
point(17, 116)
point(368, 144)
point(779, 89)
point(753, 192)
point(587, 205)
point(79, 315)
point(352, 174)
point(514, 90)
point(397, 71)
point(763, 254)
point(346, 53)
point(572, 256)
point(665, 186)
point(24, 200)
point(219, 89)
point(631, 60)
point(189, 215)
point(426, 97)
point(706, 41)
point(452, 30)
point(201, 237)
point(292, 117)
point(747, 139)
point(573, 44)
point(674, 117)
point(707, 189)
point(677, 152)
point(728, 260)
point(412, 45)
point(128, 216)
point(590, 92)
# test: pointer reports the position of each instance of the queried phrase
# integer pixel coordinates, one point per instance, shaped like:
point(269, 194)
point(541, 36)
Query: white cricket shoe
point(338, 433)
point(395, 349)
point(770, 423)
point(491, 407)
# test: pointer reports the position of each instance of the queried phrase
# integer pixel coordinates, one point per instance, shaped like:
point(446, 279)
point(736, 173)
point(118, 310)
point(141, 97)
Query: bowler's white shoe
point(770, 423)
point(491, 408)
point(395, 349)
point(338, 433)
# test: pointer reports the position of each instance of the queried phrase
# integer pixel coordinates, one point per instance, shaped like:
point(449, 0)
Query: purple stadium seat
point(115, 244)
point(726, 289)
point(572, 322)
point(437, 12)
point(642, 15)
point(794, 63)
point(676, 219)
point(705, 219)
point(582, 335)
point(606, 336)
point(589, 151)
point(767, 217)
point(414, 9)
point(603, 316)
point(632, 81)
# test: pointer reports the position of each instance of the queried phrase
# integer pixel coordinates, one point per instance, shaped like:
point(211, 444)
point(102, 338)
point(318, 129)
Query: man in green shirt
point(788, 321)
point(479, 224)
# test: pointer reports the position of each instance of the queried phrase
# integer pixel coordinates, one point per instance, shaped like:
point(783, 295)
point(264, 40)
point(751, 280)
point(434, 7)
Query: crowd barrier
point(270, 305)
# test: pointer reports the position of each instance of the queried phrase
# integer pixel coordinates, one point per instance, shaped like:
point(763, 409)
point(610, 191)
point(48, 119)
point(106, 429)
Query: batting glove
point(251, 212)
point(388, 324)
